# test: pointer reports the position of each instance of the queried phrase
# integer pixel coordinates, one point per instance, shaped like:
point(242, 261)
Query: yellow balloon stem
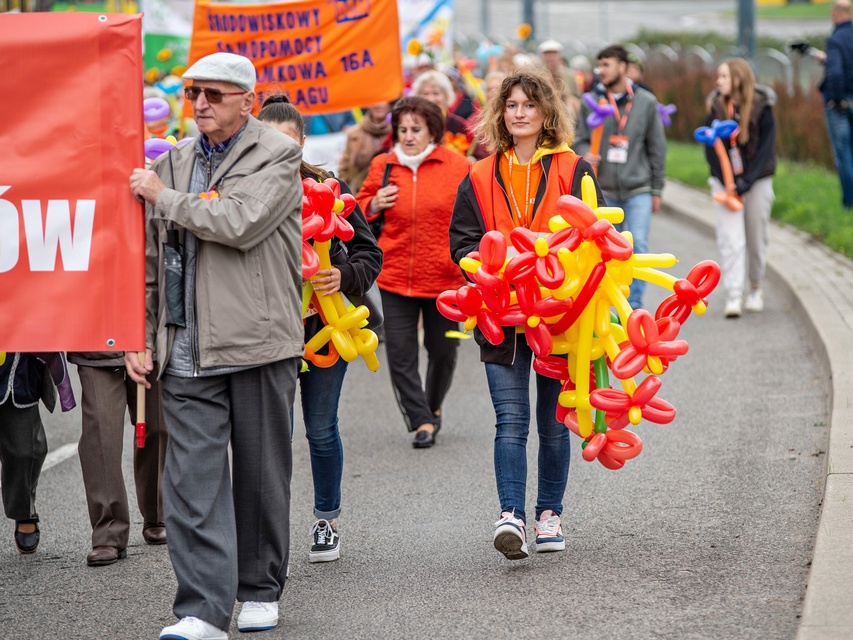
point(617, 298)
point(585, 328)
point(659, 260)
point(307, 292)
point(654, 276)
point(614, 214)
point(469, 264)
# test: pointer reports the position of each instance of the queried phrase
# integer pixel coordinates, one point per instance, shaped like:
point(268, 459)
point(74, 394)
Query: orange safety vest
point(492, 198)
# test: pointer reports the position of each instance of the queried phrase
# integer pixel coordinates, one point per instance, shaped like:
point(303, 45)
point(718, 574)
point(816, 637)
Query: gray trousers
point(742, 236)
point(229, 533)
point(106, 392)
point(23, 447)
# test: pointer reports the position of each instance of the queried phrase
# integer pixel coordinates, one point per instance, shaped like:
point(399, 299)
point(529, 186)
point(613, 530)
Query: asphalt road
point(707, 534)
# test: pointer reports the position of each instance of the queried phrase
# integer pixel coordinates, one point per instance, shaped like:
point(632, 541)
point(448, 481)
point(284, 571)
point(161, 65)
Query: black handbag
point(379, 221)
point(372, 299)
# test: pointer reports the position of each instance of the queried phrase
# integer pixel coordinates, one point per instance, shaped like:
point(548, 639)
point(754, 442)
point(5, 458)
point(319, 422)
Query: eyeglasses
point(213, 96)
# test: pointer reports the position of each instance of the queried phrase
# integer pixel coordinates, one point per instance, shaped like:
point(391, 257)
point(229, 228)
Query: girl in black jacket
point(742, 236)
point(355, 265)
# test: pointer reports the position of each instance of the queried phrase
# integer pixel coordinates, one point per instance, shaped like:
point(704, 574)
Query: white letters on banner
point(47, 236)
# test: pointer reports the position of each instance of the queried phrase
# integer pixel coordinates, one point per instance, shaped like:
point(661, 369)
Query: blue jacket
point(837, 82)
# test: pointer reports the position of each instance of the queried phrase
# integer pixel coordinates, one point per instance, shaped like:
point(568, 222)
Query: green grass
point(795, 12)
point(790, 12)
point(807, 197)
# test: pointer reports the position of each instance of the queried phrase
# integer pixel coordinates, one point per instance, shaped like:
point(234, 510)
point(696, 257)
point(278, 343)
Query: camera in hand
point(801, 46)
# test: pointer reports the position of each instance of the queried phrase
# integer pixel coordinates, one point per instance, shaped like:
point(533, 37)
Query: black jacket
point(759, 154)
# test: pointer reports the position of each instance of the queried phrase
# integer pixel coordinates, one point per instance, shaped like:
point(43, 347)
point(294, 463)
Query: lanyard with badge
point(617, 148)
point(734, 151)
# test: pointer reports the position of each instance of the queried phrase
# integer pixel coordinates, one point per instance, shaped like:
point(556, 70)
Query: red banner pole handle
point(140, 410)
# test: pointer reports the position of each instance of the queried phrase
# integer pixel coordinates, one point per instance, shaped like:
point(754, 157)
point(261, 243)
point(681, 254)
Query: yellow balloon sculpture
point(568, 291)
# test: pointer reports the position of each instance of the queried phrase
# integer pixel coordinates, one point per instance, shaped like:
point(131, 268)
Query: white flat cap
point(224, 67)
point(550, 45)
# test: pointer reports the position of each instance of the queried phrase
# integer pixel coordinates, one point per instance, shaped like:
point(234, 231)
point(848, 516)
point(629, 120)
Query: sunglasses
point(213, 96)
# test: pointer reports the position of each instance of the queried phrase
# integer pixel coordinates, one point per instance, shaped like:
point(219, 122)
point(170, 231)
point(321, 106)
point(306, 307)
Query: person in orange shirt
point(528, 126)
point(413, 188)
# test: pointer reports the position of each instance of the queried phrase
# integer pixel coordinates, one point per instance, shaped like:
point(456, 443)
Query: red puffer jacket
point(415, 239)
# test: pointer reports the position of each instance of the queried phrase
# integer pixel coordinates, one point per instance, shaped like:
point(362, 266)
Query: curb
point(820, 281)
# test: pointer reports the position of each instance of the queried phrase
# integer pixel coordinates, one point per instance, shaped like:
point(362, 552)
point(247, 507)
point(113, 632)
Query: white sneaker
point(193, 629)
point(755, 301)
point(258, 616)
point(510, 537)
point(549, 533)
point(733, 308)
point(325, 542)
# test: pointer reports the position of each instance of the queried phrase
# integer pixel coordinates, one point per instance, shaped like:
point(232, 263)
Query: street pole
point(746, 28)
point(485, 27)
point(527, 17)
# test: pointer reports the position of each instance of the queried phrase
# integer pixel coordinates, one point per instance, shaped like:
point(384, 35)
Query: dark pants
point(106, 392)
point(419, 404)
point(228, 527)
point(23, 447)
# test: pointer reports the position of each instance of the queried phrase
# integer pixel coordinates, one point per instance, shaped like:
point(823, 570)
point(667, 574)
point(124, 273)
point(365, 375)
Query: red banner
point(72, 242)
point(327, 55)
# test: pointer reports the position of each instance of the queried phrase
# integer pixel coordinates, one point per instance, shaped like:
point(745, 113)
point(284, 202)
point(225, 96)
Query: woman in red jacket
point(413, 188)
point(528, 125)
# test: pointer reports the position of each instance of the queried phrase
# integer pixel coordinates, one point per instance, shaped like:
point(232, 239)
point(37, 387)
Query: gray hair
point(438, 79)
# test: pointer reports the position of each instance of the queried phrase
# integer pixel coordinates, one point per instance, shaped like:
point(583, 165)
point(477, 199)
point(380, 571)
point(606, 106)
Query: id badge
point(617, 152)
point(736, 160)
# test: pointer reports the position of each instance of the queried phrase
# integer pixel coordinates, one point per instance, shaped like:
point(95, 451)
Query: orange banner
point(327, 55)
point(72, 241)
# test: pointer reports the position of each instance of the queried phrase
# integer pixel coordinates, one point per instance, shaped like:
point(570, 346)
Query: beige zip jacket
point(248, 273)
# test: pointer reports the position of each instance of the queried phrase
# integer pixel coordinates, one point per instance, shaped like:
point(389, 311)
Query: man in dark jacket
point(837, 90)
point(632, 160)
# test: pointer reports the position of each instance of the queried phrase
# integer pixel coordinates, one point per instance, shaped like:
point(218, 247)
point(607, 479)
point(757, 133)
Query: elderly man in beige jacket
point(223, 303)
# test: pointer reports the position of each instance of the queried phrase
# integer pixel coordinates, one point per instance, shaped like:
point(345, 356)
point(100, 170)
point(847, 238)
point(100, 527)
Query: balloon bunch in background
point(567, 291)
point(156, 112)
point(324, 213)
point(713, 137)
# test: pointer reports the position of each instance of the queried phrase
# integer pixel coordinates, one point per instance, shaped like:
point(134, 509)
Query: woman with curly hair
point(529, 129)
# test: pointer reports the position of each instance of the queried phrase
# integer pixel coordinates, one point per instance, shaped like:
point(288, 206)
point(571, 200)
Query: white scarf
point(413, 162)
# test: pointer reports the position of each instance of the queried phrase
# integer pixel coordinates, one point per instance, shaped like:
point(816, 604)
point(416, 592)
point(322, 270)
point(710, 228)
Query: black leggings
point(402, 313)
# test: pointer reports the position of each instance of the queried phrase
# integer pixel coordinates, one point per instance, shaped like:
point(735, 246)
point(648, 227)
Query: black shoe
point(424, 439)
point(27, 542)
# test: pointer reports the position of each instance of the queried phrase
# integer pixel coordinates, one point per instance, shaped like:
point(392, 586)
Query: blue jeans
point(509, 386)
point(320, 390)
point(638, 219)
point(838, 123)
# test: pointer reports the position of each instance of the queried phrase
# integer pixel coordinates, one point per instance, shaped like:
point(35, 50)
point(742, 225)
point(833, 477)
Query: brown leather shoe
point(154, 534)
point(102, 556)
